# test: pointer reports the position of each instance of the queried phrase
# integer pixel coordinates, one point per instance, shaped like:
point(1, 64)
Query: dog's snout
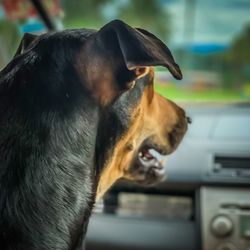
point(178, 131)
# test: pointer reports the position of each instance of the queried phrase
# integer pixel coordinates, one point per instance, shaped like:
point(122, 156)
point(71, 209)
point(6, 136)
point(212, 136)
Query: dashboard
point(204, 202)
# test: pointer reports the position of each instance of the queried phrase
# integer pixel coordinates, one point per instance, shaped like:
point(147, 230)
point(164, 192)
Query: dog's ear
point(25, 43)
point(119, 54)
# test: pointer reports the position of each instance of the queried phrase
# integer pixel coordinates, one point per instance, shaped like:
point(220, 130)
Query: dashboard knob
point(221, 226)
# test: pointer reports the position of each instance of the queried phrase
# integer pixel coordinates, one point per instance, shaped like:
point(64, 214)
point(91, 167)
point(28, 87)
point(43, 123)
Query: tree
point(150, 14)
point(239, 52)
point(86, 13)
point(238, 58)
point(9, 39)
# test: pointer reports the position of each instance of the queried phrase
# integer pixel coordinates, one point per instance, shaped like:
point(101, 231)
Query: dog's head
point(139, 123)
point(135, 121)
point(115, 66)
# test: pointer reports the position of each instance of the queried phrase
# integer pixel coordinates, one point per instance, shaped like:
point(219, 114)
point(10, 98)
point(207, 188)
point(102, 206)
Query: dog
point(78, 112)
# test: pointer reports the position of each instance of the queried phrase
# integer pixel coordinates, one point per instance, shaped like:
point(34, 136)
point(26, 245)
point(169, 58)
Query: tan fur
point(153, 117)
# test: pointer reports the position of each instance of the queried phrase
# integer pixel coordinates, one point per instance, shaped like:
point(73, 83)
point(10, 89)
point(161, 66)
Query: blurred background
point(209, 39)
point(205, 201)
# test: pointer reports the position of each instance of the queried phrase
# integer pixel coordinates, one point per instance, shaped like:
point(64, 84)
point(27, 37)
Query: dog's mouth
point(148, 167)
point(148, 152)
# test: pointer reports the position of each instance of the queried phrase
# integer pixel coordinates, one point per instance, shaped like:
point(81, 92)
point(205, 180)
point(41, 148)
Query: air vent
point(232, 167)
point(230, 162)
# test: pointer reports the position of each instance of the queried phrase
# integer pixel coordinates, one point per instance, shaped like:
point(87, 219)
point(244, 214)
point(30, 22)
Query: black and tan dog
point(77, 112)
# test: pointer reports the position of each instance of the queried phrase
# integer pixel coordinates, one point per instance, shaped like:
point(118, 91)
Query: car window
point(211, 48)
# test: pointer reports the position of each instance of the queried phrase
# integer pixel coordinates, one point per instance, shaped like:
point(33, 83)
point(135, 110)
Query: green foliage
point(240, 49)
point(138, 13)
point(9, 39)
point(148, 14)
point(187, 94)
point(79, 12)
point(237, 60)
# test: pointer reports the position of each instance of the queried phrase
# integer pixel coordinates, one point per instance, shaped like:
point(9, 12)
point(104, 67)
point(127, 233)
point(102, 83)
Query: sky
point(215, 21)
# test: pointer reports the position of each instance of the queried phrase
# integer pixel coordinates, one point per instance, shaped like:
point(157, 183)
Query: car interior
point(204, 203)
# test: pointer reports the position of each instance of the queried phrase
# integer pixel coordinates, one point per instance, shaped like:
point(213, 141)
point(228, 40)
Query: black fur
point(48, 127)
point(116, 120)
point(55, 136)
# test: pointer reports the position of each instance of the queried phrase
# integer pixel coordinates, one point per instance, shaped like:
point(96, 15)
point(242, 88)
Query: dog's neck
point(55, 175)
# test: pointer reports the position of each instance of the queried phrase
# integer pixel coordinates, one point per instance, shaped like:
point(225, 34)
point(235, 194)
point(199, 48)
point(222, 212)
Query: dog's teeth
point(140, 154)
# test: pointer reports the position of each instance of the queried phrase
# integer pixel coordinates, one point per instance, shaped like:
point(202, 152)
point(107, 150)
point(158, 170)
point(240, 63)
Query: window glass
point(209, 39)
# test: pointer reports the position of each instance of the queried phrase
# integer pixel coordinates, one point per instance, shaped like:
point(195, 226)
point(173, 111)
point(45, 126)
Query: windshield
point(210, 40)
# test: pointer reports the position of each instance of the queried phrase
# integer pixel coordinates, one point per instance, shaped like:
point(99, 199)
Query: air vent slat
point(231, 162)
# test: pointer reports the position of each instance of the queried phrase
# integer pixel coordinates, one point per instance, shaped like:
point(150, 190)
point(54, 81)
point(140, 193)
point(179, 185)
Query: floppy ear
point(25, 43)
point(119, 54)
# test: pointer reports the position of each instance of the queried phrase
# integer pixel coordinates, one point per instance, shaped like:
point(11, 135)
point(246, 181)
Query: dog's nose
point(189, 119)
